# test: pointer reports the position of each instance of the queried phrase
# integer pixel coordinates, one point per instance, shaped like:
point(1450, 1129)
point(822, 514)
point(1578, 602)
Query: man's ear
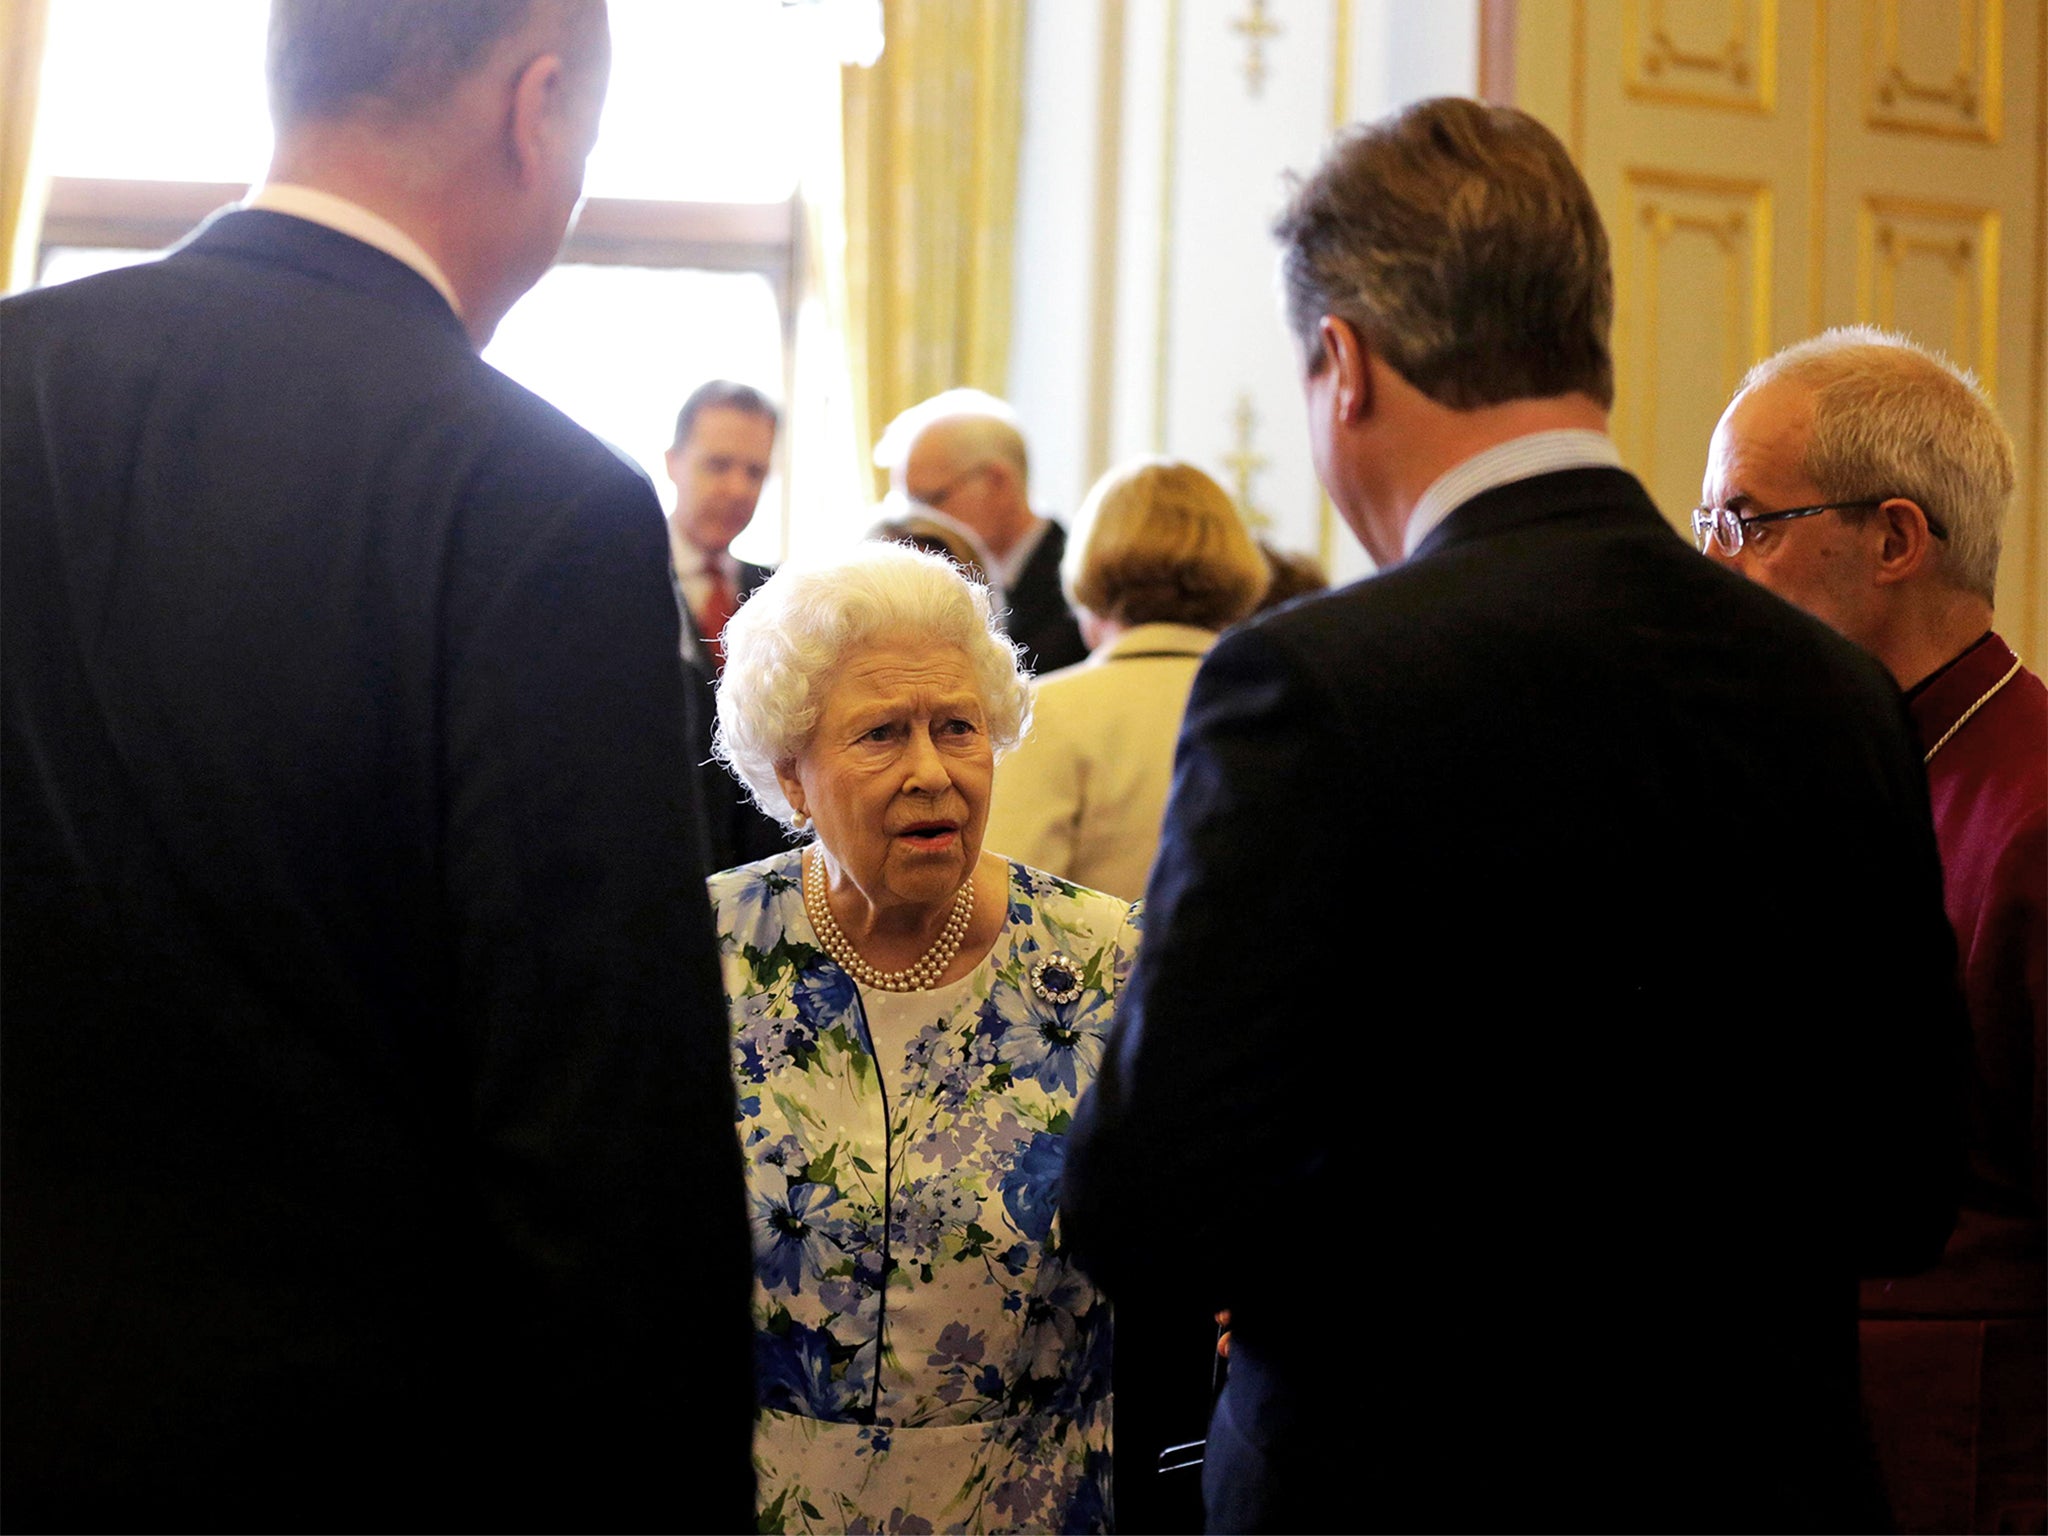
point(539, 125)
point(1342, 351)
point(1907, 544)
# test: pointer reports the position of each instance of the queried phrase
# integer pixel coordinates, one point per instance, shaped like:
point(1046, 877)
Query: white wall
point(1146, 314)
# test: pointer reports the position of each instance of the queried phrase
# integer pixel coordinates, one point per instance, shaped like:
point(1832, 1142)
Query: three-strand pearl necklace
point(917, 977)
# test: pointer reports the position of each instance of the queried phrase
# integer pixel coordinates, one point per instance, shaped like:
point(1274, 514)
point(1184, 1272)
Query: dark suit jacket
point(1546, 1013)
point(736, 831)
point(1039, 619)
point(368, 1130)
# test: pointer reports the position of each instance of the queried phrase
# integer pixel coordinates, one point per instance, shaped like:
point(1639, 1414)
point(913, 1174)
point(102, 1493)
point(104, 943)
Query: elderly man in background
point(1550, 1012)
point(961, 454)
point(1866, 480)
point(368, 1129)
point(724, 446)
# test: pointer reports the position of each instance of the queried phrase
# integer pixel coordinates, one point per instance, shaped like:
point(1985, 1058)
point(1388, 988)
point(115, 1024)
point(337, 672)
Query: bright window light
point(704, 102)
point(703, 105)
point(138, 90)
point(618, 349)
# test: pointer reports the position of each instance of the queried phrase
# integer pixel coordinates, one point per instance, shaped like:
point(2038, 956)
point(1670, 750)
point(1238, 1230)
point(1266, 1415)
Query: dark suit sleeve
point(1903, 1163)
point(1184, 1142)
point(602, 1107)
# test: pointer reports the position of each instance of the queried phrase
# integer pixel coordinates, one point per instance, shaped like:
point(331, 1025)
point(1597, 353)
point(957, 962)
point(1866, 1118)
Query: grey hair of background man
point(1463, 246)
point(985, 429)
point(1892, 418)
point(333, 58)
point(723, 394)
point(785, 644)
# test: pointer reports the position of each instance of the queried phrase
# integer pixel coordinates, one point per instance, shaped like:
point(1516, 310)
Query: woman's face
point(896, 774)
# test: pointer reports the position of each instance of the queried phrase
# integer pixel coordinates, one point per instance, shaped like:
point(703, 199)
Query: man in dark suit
point(961, 454)
point(718, 463)
point(368, 1127)
point(1546, 1009)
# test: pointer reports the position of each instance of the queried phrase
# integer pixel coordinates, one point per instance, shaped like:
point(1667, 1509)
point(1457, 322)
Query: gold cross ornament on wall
point(1256, 27)
point(1243, 464)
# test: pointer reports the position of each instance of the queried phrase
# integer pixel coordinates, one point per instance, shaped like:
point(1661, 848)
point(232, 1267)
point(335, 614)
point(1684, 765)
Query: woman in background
point(1158, 563)
point(914, 1020)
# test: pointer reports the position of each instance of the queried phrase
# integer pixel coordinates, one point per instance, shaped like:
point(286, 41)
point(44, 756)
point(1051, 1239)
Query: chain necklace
point(917, 977)
point(2010, 673)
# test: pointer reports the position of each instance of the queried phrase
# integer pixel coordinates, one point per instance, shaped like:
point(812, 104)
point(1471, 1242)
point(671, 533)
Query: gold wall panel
point(1693, 300)
point(1935, 66)
point(1722, 54)
point(1931, 271)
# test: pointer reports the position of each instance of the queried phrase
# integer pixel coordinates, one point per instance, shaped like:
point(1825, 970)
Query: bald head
point(397, 59)
point(971, 465)
point(465, 123)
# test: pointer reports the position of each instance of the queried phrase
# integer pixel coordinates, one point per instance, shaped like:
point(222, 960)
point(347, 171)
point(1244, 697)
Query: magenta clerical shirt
point(1955, 1365)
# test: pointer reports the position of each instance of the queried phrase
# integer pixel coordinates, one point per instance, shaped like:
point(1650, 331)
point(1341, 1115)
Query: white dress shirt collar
point(355, 221)
point(1520, 458)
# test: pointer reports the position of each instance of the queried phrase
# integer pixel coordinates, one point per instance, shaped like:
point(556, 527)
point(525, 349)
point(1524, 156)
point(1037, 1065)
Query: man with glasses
point(1866, 480)
point(961, 455)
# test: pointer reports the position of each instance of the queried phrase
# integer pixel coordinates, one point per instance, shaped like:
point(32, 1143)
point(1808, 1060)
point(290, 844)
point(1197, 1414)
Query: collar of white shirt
point(355, 221)
point(1520, 458)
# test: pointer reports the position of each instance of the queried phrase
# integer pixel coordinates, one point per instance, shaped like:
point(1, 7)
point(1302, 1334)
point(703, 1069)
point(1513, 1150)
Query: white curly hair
point(785, 642)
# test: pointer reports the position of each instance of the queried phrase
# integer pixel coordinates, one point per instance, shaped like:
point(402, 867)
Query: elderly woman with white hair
point(913, 1019)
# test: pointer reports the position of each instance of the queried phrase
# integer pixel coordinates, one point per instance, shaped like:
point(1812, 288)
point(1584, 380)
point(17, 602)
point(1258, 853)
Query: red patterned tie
point(720, 601)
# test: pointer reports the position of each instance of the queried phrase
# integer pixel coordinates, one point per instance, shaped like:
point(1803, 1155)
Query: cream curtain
point(931, 135)
point(22, 24)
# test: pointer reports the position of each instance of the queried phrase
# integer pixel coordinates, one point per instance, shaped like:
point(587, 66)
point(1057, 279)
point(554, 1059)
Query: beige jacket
point(1084, 795)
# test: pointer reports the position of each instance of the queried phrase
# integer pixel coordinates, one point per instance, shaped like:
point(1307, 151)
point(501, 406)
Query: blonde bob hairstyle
point(1159, 542)
point(787, 640)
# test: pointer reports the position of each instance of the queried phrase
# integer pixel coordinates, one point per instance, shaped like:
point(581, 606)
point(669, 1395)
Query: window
point(682, 265)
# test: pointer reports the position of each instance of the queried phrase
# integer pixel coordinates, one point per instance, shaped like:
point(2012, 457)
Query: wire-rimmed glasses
point(1724, 526)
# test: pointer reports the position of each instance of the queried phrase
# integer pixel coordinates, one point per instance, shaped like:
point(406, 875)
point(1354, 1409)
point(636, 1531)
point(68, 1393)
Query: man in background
point(1547, 1011)
point(724, 444)
point(367, 1113)
point(961, 454)
point(1867, 480)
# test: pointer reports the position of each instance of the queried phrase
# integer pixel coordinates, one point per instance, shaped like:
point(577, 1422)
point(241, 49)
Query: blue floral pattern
point(928, 1359)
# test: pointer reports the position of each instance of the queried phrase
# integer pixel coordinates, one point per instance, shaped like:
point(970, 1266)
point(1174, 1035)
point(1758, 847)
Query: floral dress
point(928, 1360)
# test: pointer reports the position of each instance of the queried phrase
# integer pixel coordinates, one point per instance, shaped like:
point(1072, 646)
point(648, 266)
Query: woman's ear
point(792, 788)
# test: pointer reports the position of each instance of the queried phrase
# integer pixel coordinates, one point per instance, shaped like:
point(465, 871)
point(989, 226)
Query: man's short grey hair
point(990, 429)
point(331, 58)
point(787, 640)
point(1462, 245)
point(1892, 418)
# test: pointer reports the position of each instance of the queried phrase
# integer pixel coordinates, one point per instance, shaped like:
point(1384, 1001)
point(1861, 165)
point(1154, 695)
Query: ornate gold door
point(1768, 168)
